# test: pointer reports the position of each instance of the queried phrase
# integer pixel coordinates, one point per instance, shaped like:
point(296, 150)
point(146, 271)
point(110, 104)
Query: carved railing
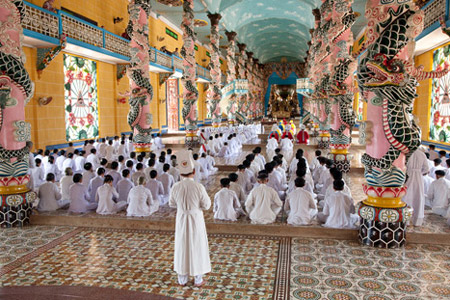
point(51, 24)
point(434, 10)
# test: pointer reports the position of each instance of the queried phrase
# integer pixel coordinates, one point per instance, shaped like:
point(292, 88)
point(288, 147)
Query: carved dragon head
point(385, 72)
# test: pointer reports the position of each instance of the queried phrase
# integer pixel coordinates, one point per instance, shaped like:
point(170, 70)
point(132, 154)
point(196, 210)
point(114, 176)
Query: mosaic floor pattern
point(242, 267)
point(345, 270)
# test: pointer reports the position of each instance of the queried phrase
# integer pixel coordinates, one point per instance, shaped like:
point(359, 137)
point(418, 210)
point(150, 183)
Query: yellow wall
point(422, 103)
point(48, 122)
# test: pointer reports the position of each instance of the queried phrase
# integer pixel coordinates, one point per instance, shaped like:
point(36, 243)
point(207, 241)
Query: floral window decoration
point(80, 94)
point(440, 100)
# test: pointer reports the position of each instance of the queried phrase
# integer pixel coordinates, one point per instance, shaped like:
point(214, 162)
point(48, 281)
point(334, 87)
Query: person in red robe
point(302, 136)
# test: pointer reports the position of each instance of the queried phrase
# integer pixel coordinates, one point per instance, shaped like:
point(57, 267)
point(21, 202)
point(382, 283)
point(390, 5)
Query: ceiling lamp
point(171, 2)
point(200, 23)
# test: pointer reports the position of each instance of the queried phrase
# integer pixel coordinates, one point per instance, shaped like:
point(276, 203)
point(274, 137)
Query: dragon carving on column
point(139, 117)
point(190, 92)
point(231, 74)
point(16, 90)
point(341, 91)
point(214, 92)
point(241, 113)
point(387, 80)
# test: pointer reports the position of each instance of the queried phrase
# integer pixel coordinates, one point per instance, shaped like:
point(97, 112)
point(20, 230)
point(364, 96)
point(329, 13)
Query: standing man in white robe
point(263, 203)
point(191, 240)
point(416, 167)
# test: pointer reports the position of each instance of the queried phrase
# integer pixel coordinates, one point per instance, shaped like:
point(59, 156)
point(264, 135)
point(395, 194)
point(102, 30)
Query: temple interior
point(225, 149)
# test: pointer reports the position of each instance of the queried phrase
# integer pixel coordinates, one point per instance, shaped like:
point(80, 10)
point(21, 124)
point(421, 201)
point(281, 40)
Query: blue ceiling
point(271, 29)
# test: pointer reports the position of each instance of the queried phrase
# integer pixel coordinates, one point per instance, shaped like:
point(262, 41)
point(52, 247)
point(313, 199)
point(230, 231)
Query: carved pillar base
point(323, 140)
point(16, 205)
point(191, 139)
point(339, 154)
point(383, 217)
point(139, 148)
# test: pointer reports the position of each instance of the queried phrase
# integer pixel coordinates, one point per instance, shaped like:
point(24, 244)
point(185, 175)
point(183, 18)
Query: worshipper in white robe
point(110, 151)
point(443, 157)
point(263, 203)
point(139, 173)
point(301, 172)
point(124, 185)
point(433, 153)
point(191, 256)
point(93, 159)
point(439, 194)
point(167, 181)
point(50, 167)
point(80, 160)
point(37, 173)
point(315, 160)
point(325, 179)
point(275, 181)
point(155, 187)
point(200, 173)
point(243, 179)
point(234, 186)
point(287, 148)
point(339, 210)
point(49, 196)
point(122, 149)
point(105, 198)
point(226, 203)
point(211, 164)
point(102, 148)
point(174, 170)
point(157, 143)
point(70, 149)
point(95, 183)
point(437, 166)
point(204, 162)
point(140, 200)
point(69, 162)
point(151, 166)
point(88, 174)
point(210, 145)
point(65, 183)
point(60, 160)
point(79, 196)
point(272, 144)
point(224, 151)
point(427, 181)
point(300, 205)
point(114, 173)
point(259, 156)
point(416, 167)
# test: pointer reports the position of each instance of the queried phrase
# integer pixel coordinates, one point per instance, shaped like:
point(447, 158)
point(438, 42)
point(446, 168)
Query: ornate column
point(16, 90)
point(341, 86)
point(231, 74)
point(242, 101)
point(139, 117)
point(190, 92)
point(387, 80)
point(251, 86)
point(214, 92)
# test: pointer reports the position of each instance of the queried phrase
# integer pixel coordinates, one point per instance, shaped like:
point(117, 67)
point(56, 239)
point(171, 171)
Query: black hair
point(338, 185)
point(108, 179)
point(153, 174)
point(114, 165)
point(233, 177)
point(77, 178)
point(88, 166)
point(50, 177)
point(101, 171)
point(125, 173)
point(166, 167)
point(224, 182)
point(299, 182)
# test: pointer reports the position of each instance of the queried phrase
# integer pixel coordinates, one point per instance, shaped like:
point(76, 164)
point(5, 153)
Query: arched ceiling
point(271, 29)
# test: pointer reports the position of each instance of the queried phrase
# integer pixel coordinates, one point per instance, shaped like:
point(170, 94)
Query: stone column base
point(191, 139)
point(15, 209)
point(383, 227)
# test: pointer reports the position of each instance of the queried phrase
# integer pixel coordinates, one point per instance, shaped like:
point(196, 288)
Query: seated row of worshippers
point(264, 196)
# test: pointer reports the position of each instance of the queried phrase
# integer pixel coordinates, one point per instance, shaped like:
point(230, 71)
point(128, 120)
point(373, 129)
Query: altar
point(283, 103)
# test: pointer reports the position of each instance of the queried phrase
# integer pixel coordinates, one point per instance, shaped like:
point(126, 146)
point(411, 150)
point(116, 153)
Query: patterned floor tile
point(332, 269)
point(242, 267)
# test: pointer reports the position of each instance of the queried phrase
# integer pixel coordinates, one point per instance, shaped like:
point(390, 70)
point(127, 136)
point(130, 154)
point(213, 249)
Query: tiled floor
point(331, 269)
point(243, 267)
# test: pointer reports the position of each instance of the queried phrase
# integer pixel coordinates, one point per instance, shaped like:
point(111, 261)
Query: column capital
point(231, 35)
point(214, 18)
point(241, 47)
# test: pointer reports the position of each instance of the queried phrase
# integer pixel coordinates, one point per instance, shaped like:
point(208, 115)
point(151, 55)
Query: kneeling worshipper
point(167, 182)
point(124, 185)
point(65, 183)
point(437, 166)
point(339, 210)
point(95, 183)
point(272, 144)
point(37, 174)
point(105, 198)
point(140, 200)
point(79, 196)
point(300, 205)
point(287, 148)
point(191, 256)
point(155, 187)
point(157, 143)
point(234, 186)
point(416, 167)
point(438, 194)
point(226, 203)
point(88, 174)
point(49, 195)
point(263, 203)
